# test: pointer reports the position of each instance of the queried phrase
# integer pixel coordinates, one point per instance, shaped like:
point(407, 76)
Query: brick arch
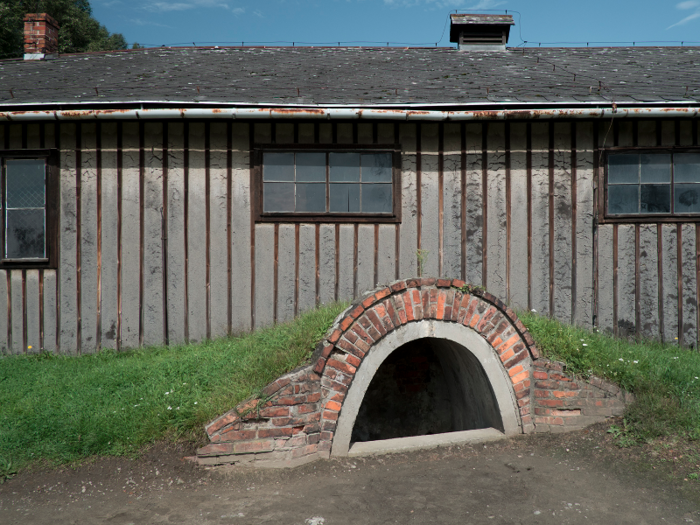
point(297, 418)
point(381, 313)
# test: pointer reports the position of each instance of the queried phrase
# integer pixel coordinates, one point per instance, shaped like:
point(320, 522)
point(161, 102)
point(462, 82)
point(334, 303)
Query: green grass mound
point(663, 377)
point(61, 409)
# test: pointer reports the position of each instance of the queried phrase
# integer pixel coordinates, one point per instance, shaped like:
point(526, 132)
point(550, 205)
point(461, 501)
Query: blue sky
point(164, 22)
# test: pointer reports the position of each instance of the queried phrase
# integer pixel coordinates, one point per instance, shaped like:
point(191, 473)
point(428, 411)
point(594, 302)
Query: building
point(176, 194)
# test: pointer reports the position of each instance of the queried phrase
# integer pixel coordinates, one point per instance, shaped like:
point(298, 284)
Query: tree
point(78, 32)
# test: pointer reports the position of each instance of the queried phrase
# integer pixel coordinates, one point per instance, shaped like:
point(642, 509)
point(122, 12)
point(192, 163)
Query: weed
point(422, 258)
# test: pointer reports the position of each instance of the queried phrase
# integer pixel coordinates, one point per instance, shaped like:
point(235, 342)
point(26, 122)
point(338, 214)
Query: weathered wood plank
point(5, 344)
point(240, 230)
point(669, 282)
point(496, 216)
point(605, 279)
point(50, 323)
point(649, 282)
point(386, 262)
point(584, 225)
point(286, 273)
point(109, 307)
point(562, 222)
point(365, 259)
point(408, 236)
point(430, 200)
point(68, 242)
point(474, 216)
point(327, 264)
point(540, 218)
point(264, 274)
point(218, 215)
point(17, 315)
point(307, 267)
point(33, 312)
point(153, 315)
point(196, 236)
point(518, 215)
point(176, 234)
point(689, 286)
point(626, 281)
point(88, 240)
point(346, 249)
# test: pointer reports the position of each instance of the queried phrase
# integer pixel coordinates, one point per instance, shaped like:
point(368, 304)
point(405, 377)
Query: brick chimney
point(40, 36)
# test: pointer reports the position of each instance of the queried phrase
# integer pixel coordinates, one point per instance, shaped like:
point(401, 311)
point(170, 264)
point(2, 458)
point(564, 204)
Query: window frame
point(605, 218)
point(323, 217)
point(50, 157)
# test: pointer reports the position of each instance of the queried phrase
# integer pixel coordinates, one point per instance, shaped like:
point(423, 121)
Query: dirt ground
point(574, 478)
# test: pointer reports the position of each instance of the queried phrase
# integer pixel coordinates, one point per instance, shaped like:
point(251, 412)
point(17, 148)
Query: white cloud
point(162, 7)
point(684, 6)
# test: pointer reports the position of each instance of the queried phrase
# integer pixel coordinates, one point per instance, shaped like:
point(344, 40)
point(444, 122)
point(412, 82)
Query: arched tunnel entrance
point(427, 386)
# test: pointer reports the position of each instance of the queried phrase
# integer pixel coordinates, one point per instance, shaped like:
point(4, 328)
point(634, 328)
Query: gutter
point(329, 113)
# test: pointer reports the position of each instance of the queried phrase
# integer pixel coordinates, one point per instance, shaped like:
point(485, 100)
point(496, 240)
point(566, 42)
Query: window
point(27, 219)
point(335, 186)
point(653, 184)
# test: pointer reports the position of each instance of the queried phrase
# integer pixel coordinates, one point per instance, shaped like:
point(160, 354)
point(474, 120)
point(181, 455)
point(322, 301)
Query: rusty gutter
point(334, 113)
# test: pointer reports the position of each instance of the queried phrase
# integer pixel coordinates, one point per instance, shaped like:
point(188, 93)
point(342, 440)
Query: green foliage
point(79, 31)
point(663, 377)
point(62, 409)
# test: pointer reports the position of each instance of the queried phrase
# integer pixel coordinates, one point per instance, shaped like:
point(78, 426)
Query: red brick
point(486, 318)
point(521, 376)
point(522, 393)
point(559, 393)
point(516, 359)
point(350, 336)
point(442, 298)
point(320, 365)
point(338, 396)
point(540, 375)
point(377, 323)
point(354, 361)
point(340, 365)
point(515, 370)
point(458, 283)
point(275, 411)
point(346, 345)
point(338, 376)
point(363, 348)
point(369, 301)
point(413, 283)
point(335, 336)
point(455, 306)
point(290, 400)
point(542, 393)
point(444, 283)
point(236, 435)
point(470, 309)
point(313, 398)
point(567, 413)
point(400, 309)
point(306, 408)
point(389, 305)
point(275, 432)
point(326, 436)
point(221, 423)
point(357, 328)
point(254, 446)
point(408, 306)
point(332, 416)
point(345, 323)
point(332, 405)
point(357, 311)
point(215, 449)
point(550, 402)
point(398, 286)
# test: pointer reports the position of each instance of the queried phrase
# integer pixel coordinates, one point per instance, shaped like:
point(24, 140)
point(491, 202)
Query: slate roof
point(357, 76)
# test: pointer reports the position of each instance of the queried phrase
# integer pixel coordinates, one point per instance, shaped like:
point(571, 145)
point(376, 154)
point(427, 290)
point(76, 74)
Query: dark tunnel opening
point(427, 386)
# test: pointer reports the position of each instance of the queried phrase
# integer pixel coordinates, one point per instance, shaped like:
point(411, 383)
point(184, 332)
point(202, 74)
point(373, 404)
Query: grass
point(663, 377)
point(61, 409)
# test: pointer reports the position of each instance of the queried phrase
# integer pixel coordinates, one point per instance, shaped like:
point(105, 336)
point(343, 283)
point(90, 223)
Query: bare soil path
point(573, 478)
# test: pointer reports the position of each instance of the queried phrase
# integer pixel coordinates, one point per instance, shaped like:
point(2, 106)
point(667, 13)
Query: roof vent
point(480, 32)
point(40, 36)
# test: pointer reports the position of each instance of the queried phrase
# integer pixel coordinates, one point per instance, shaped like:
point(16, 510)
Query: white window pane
point(656, 167)
point(311, 197)
point(623, 169)
point(278, 197)
point(376, 167)
point(278, 167)
point(25, 234)
point(25, 183)
point(311, 167)
point(686, 167)
point(345, 198)
point(344, 167)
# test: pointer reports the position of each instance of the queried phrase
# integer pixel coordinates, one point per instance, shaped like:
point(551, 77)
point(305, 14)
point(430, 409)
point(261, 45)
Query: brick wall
point(563, 403)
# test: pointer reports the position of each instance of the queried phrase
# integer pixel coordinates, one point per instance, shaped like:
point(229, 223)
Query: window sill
point(328, 218)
